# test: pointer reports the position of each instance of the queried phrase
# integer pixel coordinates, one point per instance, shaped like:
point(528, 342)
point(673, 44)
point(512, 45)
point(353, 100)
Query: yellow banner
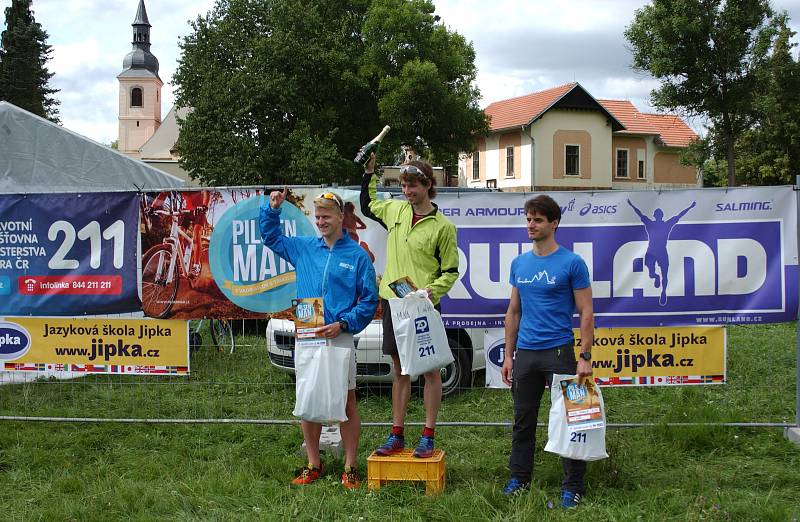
point(261, 286)
point(132, 346)
point(665, 355)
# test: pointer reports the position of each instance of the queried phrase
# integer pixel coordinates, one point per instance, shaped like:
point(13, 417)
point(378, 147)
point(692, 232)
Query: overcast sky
point(522, 46)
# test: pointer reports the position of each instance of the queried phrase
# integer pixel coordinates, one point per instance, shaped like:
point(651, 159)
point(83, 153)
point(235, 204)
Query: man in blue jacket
point(337, 269)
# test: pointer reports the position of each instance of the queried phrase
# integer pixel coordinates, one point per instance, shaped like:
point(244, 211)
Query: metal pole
point(289, 422)
point(797, 360)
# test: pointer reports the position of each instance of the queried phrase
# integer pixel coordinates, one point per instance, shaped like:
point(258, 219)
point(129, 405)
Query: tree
point(24, 54)
point(768, 153)
point(706, 54)
point(286, 91)
point(425, 77)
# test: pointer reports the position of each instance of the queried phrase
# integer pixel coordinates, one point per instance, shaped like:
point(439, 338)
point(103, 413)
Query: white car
point(374, 366)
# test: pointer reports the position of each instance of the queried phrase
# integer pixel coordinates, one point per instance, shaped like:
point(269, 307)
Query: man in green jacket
point(421, 246)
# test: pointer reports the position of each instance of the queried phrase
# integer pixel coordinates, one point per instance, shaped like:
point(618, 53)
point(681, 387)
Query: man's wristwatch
point(343, 325)
point(586, 356)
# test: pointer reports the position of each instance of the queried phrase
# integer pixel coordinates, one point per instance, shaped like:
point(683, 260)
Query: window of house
point(509, 162)
point(641, 174)
point(491, 183)
point(136, 97)
point(622, 163)
point(572, 160)
point(476, 166)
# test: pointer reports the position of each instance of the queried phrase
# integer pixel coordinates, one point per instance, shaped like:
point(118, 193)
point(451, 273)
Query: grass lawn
point(58, 471)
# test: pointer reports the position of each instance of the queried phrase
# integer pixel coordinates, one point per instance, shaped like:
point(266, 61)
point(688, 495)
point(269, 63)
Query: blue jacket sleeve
point(360, 316)
point(270, 224)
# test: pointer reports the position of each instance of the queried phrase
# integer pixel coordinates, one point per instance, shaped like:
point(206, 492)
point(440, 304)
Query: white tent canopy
point(36, 155)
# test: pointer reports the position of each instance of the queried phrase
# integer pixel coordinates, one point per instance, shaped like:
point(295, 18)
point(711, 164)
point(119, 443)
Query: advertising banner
point(639, 356)
point(232, 274)
point(685, 257)
point(62, 254)
point(203, 255)
point(112, 346)
point(495, 344)
point(658, 356)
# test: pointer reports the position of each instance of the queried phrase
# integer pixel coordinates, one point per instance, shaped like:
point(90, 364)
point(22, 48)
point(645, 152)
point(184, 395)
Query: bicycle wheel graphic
point(158, 294)
point(222, 334)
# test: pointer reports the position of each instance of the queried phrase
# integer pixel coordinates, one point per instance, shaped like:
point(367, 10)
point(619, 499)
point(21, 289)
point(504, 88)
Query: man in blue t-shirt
point(548, 285)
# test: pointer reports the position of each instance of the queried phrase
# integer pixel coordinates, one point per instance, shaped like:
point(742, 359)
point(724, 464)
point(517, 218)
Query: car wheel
point(456, 376)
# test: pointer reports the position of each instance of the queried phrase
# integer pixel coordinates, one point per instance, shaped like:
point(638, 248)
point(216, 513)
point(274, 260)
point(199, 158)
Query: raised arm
point(684, 211)
point(371, 206)
point(270, 224)
point(638, 212)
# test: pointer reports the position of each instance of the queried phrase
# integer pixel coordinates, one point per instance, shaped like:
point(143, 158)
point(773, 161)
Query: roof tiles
point(522, 110)
point(515, 112)
point(672, 129)
point(634, 121)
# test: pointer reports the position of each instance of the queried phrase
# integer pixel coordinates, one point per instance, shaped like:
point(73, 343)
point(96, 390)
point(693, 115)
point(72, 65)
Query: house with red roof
point(565, 139)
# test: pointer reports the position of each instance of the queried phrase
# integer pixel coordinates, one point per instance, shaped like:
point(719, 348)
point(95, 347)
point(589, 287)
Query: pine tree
point(24, 53)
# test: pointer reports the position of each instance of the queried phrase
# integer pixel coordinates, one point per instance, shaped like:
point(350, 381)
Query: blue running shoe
point(424, 449)
point(515, 485)
point(570, 499)
point(394, 444)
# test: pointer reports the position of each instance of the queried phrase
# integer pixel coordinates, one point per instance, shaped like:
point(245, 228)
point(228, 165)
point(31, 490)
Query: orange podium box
point(404, 466)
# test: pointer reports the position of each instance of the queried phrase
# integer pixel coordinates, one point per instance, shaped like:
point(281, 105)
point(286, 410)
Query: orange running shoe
point(308, 474)
point(350, 478)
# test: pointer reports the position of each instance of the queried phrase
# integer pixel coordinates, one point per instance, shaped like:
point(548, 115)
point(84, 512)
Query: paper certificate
point(309, 315)
point(582, 404)
point(402, 287)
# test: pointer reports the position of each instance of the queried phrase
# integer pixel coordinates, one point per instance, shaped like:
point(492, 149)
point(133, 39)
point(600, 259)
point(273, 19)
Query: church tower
point(139, 90)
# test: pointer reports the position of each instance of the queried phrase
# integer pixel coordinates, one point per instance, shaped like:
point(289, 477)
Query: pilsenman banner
point(116, 346)
point(684, 257)
point(663, 356)
point(66, 254)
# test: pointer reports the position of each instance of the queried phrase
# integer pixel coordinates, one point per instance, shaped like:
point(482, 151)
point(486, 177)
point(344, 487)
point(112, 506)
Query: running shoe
point(394, 444)
point(570, 499)
point(515, 485)
point(424, 449)
point(350, 478)
point(307, 475)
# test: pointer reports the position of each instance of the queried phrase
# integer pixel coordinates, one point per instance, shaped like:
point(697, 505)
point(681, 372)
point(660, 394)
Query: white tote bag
point(321, 387)
point(574, 442)
point(419, 331)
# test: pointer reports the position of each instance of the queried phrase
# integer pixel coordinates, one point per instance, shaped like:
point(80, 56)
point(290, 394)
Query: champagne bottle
point(363, 154)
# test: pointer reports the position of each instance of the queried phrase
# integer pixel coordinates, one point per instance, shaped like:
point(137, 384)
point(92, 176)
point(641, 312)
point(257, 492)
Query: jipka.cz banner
point(662, 356)
point(115, 346)
point(68, 254)
point(687, 257)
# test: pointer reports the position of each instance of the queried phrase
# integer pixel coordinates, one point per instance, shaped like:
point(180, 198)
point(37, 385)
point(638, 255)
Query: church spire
point(140, 58)
point(141, 15)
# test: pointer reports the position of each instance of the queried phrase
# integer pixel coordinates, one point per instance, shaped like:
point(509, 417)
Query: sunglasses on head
point(333, 197)
point(411, 169)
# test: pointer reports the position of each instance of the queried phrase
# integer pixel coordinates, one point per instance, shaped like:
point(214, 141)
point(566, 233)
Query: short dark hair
point(425, 178)
point(545, 206)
